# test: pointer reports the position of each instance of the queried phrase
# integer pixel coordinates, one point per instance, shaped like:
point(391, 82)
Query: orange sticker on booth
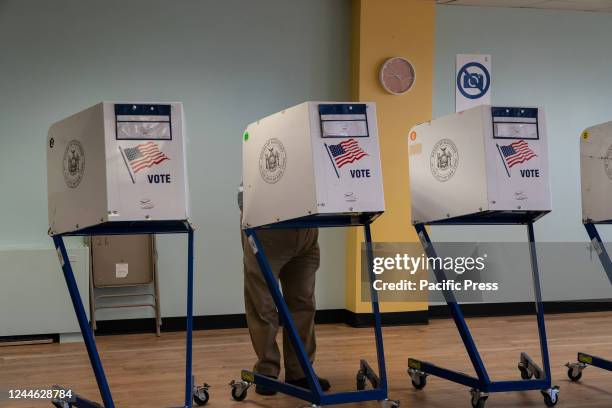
point(413, 135)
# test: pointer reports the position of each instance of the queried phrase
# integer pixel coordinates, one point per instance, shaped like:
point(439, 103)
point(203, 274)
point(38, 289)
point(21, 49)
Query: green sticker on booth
point(245, 136)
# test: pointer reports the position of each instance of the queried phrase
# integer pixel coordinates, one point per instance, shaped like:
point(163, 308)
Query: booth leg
point(199, 393)
point(600, 248)
point(539, 304)
point(90, 343)
point(380, 382)
point(550, 393)
point(574, 370)
point(456, 312)
point(189, 390)
point(482, 386)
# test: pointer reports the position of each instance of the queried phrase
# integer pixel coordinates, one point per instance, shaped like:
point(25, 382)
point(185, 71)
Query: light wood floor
point(145, 371)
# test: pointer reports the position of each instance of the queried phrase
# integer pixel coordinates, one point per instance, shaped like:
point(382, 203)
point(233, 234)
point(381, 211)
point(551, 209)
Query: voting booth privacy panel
point(484, 159)
point(596, 173)
point(314, 159)
point(117, 162)
point(120, 169)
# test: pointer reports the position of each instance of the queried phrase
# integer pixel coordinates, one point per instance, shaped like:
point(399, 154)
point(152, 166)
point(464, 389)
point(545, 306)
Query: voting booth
point(316, 159)
point(596, 173)
point(314, 165)
point(119, 169)
point(596, 182)
point(484, 166)
point(484, 160)
point(117, 162)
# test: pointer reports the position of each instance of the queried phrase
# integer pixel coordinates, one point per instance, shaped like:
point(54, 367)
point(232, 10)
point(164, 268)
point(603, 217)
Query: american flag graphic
point(144, 155)
point(516, 153)
point(346, 152)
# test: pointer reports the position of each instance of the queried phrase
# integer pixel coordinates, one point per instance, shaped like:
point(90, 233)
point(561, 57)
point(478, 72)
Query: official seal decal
point(444, 160)
point(74, 163)
point(608, 162)
point(272, 161)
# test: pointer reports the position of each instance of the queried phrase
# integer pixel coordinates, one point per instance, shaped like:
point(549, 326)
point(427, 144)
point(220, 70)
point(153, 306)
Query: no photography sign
point(472, 81)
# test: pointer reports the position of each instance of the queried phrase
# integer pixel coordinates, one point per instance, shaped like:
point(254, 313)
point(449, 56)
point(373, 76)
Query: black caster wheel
point(551, 397)
point(571, 376)
point(360, 381)
point(201, 398)
point(419, 382)
point(238, 396)
point(550, 401)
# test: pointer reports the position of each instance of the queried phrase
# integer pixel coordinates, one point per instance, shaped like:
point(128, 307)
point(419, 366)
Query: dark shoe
point(263, 390)
point(303, 383)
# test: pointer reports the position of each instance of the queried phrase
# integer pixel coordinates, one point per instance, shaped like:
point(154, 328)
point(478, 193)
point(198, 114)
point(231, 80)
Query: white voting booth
point(484, 159)
point(486, 165)
point(596, 173)
point(596, 181)
point(119, 169)
point(314, 159)
point(117, 162)
point(314, 165)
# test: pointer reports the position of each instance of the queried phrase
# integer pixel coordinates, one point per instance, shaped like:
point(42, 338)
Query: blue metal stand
point(132, 228)
point(574, 370)
point(534, 378)
point(315, 394)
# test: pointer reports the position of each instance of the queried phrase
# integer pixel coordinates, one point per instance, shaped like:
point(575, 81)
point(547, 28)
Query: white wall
point(556, 59)
point(229, 61)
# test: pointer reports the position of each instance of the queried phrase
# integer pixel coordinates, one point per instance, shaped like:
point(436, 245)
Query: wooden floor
point(145, 371)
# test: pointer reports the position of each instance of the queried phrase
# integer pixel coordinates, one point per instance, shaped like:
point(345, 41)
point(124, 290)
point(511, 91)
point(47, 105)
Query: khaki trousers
point(293, 255)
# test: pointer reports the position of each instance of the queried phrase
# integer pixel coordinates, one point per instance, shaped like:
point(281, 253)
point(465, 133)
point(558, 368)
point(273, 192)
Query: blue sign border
point(464, 70)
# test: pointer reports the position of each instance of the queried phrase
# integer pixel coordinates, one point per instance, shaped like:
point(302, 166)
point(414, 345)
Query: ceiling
point(581, 5)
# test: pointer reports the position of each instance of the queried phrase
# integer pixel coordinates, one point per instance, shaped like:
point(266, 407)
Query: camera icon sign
point(473, 80)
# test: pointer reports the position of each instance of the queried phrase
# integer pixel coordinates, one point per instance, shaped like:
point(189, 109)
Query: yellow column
point(384, 29)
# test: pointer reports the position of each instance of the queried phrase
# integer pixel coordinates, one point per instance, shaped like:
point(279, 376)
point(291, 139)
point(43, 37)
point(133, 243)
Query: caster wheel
point(238, 396)
point(419, 382)
point(201, 397)
point(360, 382)
point(551, 397)
point(572, 377)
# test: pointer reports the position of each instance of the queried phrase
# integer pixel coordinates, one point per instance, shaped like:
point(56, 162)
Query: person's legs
point(261, 314)
point(298, 281)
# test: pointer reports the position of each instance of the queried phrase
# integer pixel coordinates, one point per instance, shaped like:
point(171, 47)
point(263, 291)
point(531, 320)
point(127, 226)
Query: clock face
point(397, 75)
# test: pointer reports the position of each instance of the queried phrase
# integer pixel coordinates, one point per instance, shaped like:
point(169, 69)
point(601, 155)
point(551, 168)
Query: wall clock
point(397, 75)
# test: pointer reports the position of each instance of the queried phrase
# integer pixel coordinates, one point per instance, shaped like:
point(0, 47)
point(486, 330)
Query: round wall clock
point(397, 75)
